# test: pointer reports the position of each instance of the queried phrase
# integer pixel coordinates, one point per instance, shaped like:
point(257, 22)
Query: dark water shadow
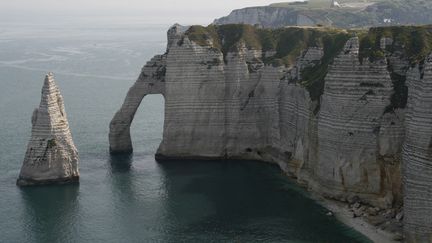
point(121, 176)
point(51, 212)
point(245, 202)
point(121, 163)
point(131, 210)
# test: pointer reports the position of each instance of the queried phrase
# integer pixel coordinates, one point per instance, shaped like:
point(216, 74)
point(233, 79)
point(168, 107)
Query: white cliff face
point(194, 86)
point(417, 156)
point(267, 17)
point(252, 114)
point(235, 106)
point(272, 17)
point(373, 13)
point(150, 81)
point(51, 155)
point(354, 102)
point(345, 144)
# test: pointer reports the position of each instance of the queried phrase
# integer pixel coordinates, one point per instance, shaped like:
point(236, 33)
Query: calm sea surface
point(129, 199)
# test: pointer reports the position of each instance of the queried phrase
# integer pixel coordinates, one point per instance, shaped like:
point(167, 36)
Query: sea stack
point(51, 156)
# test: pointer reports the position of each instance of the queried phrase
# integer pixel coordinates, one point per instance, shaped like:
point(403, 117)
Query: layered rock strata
point(334, 118)
point(150, 81)
point(51, 155)
point(350, 120)
point(417, 156)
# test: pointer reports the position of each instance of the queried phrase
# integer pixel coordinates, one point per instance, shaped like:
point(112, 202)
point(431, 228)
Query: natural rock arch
point(234, 106)
point(150, 81)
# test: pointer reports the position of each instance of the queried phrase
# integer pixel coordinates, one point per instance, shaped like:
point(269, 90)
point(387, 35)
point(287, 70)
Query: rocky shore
point(384, 226)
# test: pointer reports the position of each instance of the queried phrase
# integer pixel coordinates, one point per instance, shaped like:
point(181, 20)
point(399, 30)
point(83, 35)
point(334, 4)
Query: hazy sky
point(167, 11)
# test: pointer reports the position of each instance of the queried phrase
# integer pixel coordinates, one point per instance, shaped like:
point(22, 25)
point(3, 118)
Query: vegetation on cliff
point(412, 43)
point(313, 77)
point(286, 43)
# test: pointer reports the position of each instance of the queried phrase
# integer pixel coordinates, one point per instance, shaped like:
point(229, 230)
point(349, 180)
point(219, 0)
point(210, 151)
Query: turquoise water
point(129, 199)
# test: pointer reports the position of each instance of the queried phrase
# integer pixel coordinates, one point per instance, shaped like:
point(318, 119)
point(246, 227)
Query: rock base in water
point(165, 158)
point(30, 182)
point(51, 156)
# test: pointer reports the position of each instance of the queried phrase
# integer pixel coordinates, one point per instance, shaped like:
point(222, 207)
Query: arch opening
point(151, 81)
point(147, 126)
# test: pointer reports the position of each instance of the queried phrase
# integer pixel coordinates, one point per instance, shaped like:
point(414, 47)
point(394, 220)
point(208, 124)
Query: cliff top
point(325, 4)
point(288, 43)
point(345, 14)
point(413, 43)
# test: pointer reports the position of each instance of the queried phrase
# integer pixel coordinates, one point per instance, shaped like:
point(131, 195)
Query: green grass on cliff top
point(287, 42)
point(413, 42)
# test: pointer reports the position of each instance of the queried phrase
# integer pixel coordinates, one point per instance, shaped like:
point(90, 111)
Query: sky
point(163, 11)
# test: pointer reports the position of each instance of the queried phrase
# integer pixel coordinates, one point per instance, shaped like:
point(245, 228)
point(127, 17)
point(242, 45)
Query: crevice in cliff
point(313, 78)
point(399, 97)
point(251, 94)
point(409, 44)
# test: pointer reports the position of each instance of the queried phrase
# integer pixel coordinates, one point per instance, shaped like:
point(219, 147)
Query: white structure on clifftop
point(335, 4)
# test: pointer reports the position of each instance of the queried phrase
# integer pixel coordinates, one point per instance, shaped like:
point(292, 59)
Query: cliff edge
point(339, 110)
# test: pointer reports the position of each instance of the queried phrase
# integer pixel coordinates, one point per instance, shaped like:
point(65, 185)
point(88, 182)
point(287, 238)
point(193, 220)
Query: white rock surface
point(267, 17)
point(51, 155)
point(417, 156)
point(150, 81)
point(237, 107)
point(346, 144)
point(354, 101)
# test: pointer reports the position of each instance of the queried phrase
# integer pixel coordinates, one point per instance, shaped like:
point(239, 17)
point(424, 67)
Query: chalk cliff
point(150, 81)
point(349, 14)
point(417, 155)
point(267, 17)
point(327, 105)
point(51, 155)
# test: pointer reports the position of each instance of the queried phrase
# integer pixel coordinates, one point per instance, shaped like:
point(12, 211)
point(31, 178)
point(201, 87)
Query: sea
point(129, 198)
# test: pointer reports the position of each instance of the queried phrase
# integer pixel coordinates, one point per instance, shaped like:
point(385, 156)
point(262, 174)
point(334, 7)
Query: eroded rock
point(51, 155)
point(332, 115)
